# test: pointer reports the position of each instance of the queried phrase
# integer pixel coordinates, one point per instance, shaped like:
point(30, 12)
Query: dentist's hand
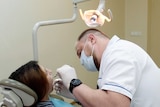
point(66, 73)
point(62, 90)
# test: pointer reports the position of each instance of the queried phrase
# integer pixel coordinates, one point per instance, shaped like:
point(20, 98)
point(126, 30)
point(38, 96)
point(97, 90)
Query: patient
point(40, 80)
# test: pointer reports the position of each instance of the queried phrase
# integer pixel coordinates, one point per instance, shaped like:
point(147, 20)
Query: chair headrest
point(26, 94)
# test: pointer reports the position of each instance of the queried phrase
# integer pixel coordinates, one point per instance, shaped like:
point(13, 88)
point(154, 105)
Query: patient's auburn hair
point(31, 75)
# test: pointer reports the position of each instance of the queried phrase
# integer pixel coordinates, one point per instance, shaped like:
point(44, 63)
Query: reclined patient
point(40, 80)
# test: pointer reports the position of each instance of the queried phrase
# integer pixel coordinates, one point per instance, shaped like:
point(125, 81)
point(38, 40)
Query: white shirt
point(127, 69)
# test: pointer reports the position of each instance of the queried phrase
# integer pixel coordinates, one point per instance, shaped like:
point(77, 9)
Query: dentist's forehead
point(79, 45)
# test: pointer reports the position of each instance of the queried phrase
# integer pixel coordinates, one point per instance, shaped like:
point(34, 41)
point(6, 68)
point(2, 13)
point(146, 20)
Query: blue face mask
point(87, 61)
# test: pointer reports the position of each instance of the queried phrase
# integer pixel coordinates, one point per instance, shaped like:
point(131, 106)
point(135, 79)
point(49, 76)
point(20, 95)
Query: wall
point(116, 27)
point(142, 25)
point(153, 30)
point(136, 17)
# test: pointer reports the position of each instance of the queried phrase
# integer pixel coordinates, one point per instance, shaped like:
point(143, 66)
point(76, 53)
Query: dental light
point(94, 18)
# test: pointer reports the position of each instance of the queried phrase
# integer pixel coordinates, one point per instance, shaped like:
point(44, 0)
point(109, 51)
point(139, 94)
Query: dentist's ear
point(92, 38)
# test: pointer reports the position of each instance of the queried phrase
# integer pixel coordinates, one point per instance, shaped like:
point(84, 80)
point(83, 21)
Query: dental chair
point(16, 94)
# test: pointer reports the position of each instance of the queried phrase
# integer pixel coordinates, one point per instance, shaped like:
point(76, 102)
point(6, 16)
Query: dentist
point(128, 77)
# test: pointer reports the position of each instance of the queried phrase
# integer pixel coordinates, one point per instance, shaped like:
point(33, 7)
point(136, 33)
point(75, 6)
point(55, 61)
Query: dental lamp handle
point(101, 5)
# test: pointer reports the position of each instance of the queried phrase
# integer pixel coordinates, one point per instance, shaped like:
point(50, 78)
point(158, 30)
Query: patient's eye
point(48, 71)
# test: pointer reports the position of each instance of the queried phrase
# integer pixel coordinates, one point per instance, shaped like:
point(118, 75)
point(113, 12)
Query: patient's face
point(49, 75)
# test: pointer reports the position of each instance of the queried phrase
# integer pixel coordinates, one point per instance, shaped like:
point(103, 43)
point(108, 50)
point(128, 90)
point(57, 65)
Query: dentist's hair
point(31, 75)
point(96, 32)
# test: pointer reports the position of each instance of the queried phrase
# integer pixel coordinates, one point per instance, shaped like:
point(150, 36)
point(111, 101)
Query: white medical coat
point(127, 69)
